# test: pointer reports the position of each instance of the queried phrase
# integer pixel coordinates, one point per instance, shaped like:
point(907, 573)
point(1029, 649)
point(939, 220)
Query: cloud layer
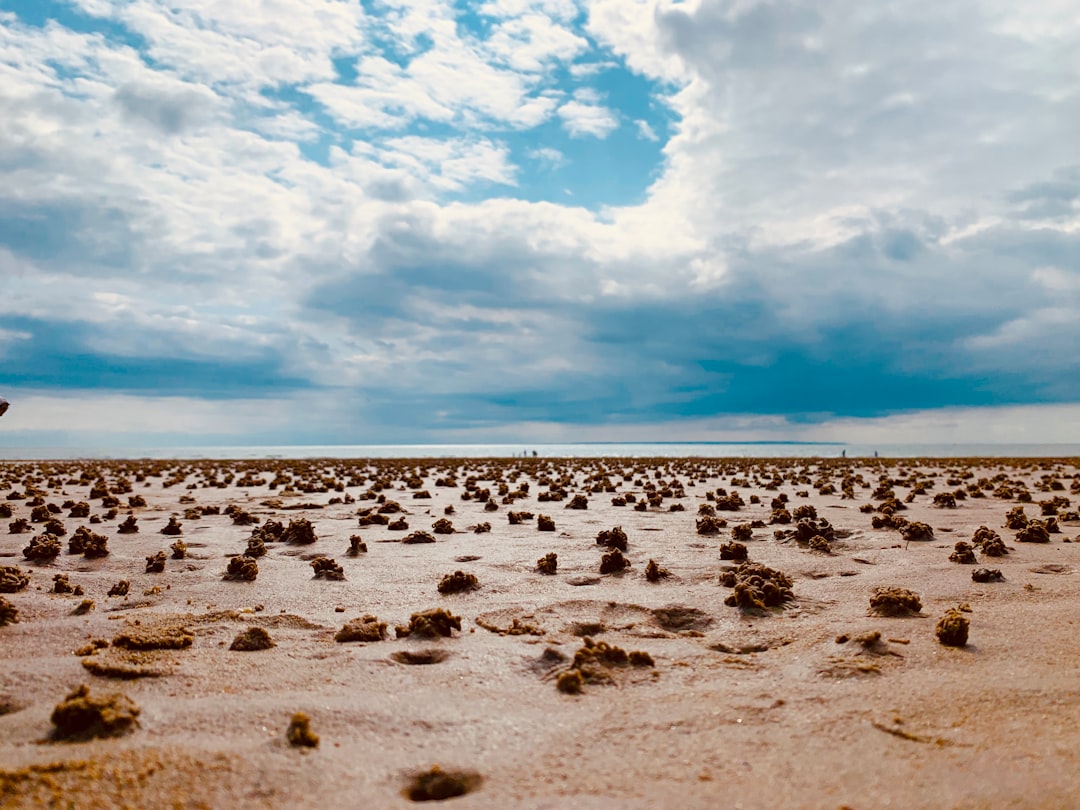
point(539, 215)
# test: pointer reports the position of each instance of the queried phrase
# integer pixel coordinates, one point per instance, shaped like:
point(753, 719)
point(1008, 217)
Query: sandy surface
point(754, 708)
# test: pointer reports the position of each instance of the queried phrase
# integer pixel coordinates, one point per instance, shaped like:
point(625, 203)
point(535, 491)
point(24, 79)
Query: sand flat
point(749, 708)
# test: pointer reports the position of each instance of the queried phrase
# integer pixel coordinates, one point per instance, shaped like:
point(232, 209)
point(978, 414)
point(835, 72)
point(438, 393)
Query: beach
point(763, 659)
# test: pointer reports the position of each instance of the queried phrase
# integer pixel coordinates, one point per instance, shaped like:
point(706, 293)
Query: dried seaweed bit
point(613, 562)
point(548, 564)
point(357, 546)
point(121, 588)
point(365, 628)
point(155, 564)
point(252, 640)
point(327, 568)
point(433, 623)
point(654, 573)
point(756, 586)
point(81, 716)
point(241, 567)
point(710, 525)
point(300, 532)
point(987, 575)
point(299, 733)
point(613, 538)
point(167, 637)
point(130, 525)
point(1034, 532)
point(578, 502)
point(12, 579)
point(179, 550)
point(458, 582)
point(545, 524)
point(917, 532)
point(570, 682)
point(963, 553)
point(952, 628)
point(418, 537)
point(43, 548)
point(820, 544)
point(989, 542)
point(9, 614)
point(442, 526)
point(62, 585)
point(893, 601)
point(438, 785)
point(1016, 519)
point(734, 551)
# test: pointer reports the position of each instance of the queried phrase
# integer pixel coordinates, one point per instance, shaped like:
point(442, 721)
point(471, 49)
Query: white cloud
point(551, 158)
point(587, 119)
point(646, 131)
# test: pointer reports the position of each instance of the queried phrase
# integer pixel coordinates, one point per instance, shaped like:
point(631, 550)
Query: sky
point(387, 221)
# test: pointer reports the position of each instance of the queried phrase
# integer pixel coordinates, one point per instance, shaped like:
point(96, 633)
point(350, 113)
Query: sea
point(808, 450)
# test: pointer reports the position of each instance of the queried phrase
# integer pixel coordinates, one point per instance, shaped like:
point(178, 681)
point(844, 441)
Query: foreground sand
point(743, 708)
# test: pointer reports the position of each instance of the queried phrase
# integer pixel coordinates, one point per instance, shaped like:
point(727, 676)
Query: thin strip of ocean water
point(570, 450)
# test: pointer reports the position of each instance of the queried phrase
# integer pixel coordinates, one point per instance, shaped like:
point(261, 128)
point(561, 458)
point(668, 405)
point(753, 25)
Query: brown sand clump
point(613, 562)
point(365, 628)
point(442, 526)
point(399, 525)
point(458, 582)
point(893, 601)
point(595, 662)
point(916, 532)
point(1034, 532)
point(420, 658)
point(130, 525)
point(19, 526)
point(357, 546)
point(79, 510)
point(945, 500)
point(433, 623)
point(548, 564)
point(84, 607)
point(756, 586)
point(255, 547)
point(518, 517)
point(242, 568)
point(121, 588)
point(155, 563)
point(1016, 519)
point(613, 538)
point(300, 532)
point(578, 502)
point(963, 553)
point(272, 531)
point(780, 515)
point(179, 550)
point(62, 585)
point(9, 614)
point(134, 665)
point(12, 579)
point(438, 785)
point(43, 548)
point(82, 716)
point(252, 639)
point(90, 545)
point(742, 533)
point(482, 528)
point(328, 568)
point(989, 542)
point(952, 628)
point(734, 551)
point(172, 528)
point(710, 525)
point(91, 647)
point(155, 637)
point(545, 524)
point(654, 573)
point(299, 733)
point(418, 537)
point(820, 545)
point(987, 575)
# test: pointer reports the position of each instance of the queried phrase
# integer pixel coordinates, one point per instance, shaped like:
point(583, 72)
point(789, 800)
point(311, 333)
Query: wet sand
point(741, 707)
